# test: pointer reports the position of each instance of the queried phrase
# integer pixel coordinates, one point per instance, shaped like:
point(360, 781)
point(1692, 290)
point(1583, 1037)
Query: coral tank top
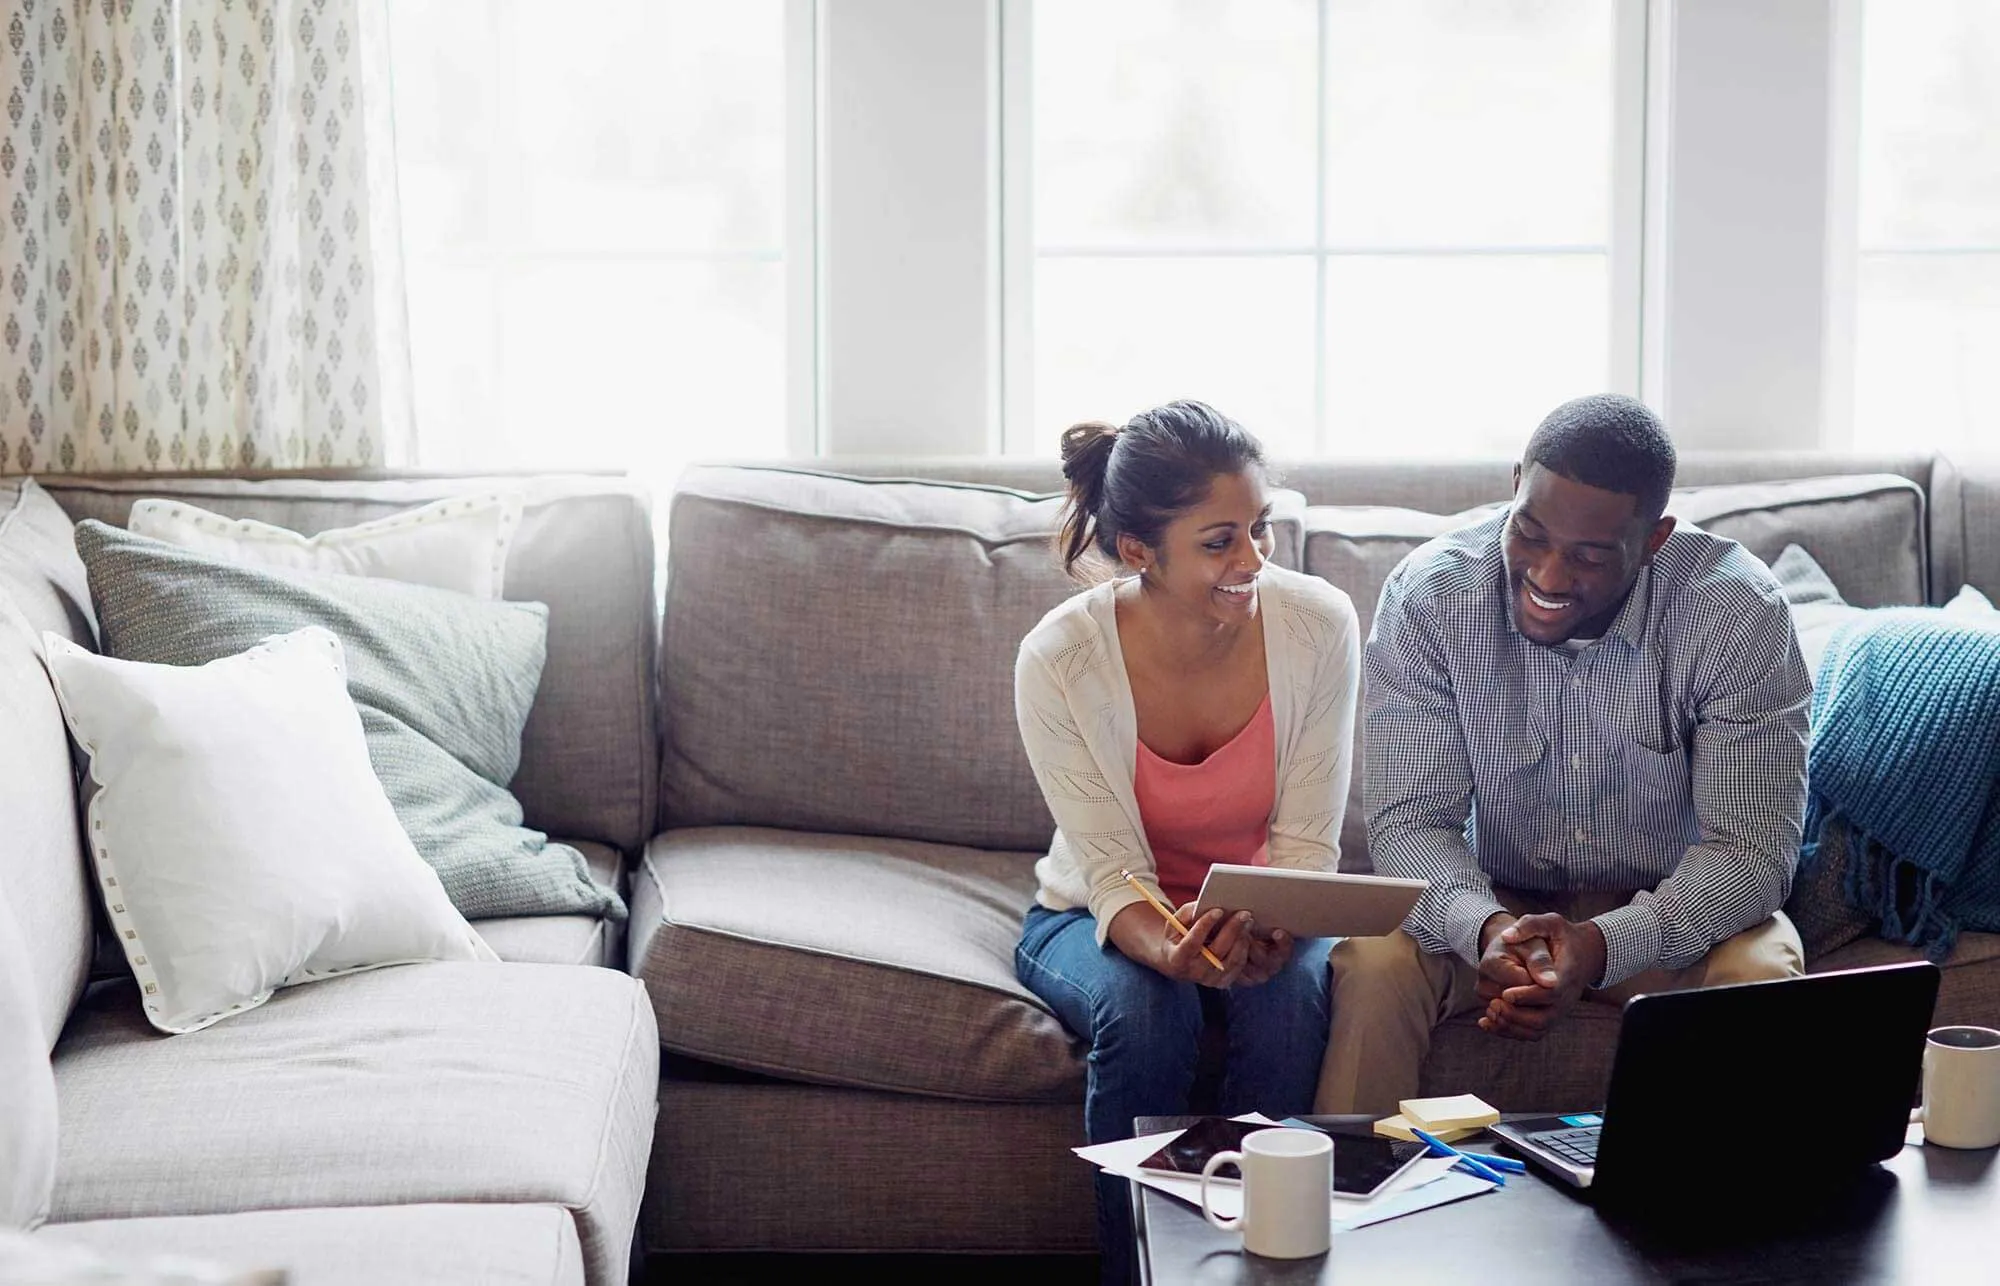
point(1218, 810)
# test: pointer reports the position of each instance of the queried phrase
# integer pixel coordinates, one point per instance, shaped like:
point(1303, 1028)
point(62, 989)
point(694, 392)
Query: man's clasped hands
point(1532, 967)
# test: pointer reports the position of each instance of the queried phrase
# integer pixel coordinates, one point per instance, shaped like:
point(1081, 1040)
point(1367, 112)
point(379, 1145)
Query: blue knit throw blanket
point(1906, 749)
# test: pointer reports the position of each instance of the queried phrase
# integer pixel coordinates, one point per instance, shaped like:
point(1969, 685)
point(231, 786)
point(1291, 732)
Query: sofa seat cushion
point(493, 1245)
point(877, 963)
point(420, 1083)
point(565, 939)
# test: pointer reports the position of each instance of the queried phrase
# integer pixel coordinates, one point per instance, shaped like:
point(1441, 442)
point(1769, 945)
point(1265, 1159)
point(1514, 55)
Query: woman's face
point(1209, 557)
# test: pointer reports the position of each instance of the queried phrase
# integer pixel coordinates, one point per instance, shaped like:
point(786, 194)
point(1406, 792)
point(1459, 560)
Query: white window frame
point(1018, 255)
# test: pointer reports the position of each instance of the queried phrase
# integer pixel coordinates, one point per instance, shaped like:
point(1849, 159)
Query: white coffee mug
point(1961, 1087)
point(1287, 1193)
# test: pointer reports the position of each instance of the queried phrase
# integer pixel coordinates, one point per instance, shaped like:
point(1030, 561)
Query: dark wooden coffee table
point(1929, 1215)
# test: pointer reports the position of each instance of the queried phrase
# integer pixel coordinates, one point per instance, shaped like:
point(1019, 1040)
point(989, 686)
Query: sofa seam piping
point(611, 1110)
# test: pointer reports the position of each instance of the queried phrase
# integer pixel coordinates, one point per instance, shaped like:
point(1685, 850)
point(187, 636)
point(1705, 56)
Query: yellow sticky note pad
point(1398, 1127)
point(1458, 1112)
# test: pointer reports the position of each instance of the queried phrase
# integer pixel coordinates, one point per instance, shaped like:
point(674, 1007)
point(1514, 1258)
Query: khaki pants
point(1389, 992)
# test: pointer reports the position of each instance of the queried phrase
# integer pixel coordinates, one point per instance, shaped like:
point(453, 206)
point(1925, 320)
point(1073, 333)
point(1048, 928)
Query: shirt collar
point(1630, 623)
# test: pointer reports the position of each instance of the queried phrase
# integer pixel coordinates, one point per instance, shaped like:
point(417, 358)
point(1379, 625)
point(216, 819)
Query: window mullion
point(1322, 433)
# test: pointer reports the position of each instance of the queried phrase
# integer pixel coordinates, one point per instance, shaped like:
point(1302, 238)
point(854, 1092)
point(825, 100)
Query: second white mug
point(1961, 1087)
point(1287, 1193)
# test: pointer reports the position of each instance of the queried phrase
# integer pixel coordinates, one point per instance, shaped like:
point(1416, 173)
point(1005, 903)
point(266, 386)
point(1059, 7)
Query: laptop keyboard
point(1579, 1146)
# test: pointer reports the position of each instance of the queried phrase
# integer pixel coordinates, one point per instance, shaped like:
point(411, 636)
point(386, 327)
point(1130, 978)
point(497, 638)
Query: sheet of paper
point(1430, 1182)
point(1126, 1154)
point(1453, 1185)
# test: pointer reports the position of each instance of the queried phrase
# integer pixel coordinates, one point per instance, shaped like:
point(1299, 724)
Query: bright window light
point(593, 207)
point(1927, 279)
point(1358, 226)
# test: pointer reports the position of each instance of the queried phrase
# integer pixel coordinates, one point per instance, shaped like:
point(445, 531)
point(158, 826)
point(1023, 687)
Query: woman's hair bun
point(1085, 449)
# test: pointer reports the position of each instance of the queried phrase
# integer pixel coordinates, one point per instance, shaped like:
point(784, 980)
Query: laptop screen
point(1829, 1063)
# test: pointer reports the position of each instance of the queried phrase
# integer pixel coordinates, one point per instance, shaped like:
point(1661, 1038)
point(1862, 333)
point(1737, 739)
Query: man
point(1586, 727)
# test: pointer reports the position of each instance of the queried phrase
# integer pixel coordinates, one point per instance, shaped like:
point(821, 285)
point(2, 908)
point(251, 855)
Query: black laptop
point(1817, 1073)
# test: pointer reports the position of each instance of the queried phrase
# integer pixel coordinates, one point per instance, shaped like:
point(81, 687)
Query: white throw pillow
point(457, 544)
point(27, 1089)
point(240, 838)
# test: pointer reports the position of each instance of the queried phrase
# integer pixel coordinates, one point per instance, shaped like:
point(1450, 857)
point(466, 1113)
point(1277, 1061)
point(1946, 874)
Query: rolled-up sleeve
point(1417, 776)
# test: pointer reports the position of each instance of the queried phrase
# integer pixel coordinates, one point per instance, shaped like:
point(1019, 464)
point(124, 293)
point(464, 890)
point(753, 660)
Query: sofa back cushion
point(1869, 531)
point(1965, 527)
point(39, 569)
point(838, 653)
point(589, 754)
point(43, 879)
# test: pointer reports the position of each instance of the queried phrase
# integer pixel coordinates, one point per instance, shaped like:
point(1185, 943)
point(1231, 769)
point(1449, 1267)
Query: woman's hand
point(1269, 953)
point(1142, 935)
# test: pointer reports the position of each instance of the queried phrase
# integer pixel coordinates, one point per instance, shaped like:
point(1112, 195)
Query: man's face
point(1572, 552)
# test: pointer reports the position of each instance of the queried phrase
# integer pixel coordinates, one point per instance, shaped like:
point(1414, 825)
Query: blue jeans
point(1144, 1031)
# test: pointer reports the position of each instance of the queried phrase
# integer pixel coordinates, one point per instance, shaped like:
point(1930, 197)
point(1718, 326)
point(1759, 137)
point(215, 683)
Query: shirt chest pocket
point(1634, 716)
point(1656, 790)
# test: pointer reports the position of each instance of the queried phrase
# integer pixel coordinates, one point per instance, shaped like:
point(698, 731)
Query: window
point(1927, 273)
point(595, 206)
point(1358, 226)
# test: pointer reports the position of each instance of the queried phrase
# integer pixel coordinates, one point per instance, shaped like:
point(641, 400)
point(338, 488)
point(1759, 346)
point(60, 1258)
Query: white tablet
point(1311, 904)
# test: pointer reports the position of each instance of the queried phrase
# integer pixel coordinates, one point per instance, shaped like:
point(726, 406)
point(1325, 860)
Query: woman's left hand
point(1269, 952)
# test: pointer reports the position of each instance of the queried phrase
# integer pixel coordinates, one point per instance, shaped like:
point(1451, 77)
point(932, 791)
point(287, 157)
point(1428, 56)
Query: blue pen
point(1507, 1165)
point(1439, 1147)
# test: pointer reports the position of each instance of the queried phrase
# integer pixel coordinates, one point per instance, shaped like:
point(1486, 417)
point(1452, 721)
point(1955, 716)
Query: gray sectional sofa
point(810, 789)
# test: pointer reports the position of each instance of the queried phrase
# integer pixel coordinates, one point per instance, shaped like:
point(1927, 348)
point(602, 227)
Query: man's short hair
point(1611, 442)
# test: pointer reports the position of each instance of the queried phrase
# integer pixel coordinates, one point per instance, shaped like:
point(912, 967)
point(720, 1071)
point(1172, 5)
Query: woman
point(1197, 709)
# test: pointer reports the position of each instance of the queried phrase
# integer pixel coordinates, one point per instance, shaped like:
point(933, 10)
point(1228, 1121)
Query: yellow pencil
point(1168, 911)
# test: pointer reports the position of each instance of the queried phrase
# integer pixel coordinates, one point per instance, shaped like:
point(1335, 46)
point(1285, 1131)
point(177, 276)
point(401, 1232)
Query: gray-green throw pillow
point(443, 681)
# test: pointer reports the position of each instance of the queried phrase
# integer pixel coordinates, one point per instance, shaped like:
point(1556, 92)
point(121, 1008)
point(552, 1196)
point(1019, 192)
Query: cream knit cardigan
point(1074, 705)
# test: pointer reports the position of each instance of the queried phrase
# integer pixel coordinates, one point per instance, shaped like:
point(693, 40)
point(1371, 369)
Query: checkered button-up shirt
point(1666, 759)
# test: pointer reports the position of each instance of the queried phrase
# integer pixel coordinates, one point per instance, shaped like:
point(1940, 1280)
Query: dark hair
point(1135, 480)
point(1611, 442)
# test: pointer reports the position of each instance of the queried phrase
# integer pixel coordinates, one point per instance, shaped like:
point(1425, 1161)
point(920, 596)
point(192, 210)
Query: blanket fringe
point(1906, 901)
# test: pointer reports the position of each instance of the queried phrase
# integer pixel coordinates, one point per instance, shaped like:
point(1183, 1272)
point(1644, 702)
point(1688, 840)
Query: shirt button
point(1582, 835)
point(1576, 761)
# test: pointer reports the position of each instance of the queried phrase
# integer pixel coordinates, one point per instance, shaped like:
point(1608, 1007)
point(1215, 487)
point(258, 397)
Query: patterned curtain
point(197, 237)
